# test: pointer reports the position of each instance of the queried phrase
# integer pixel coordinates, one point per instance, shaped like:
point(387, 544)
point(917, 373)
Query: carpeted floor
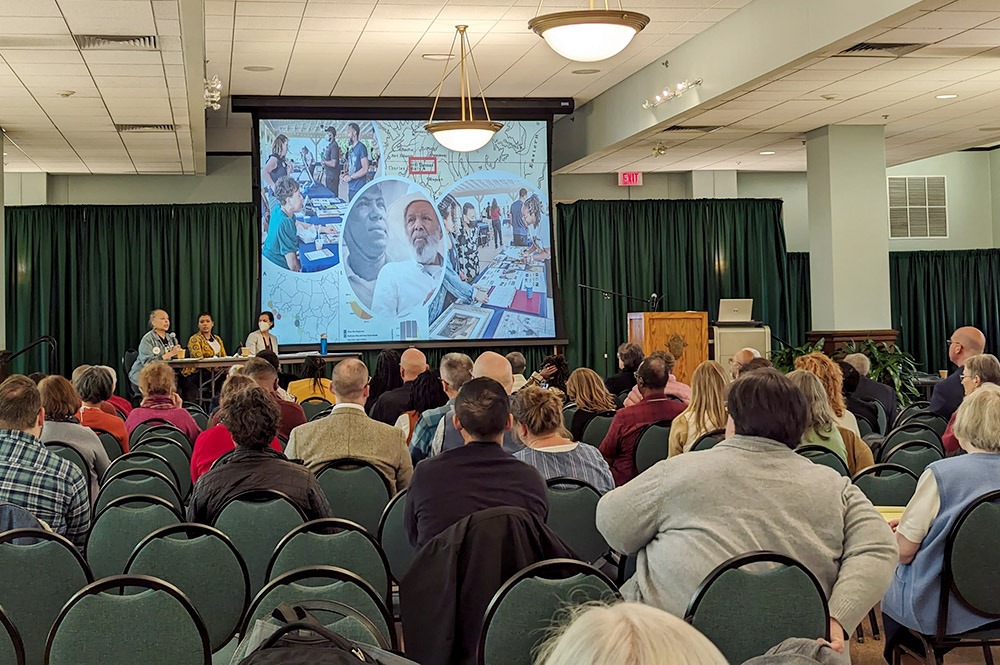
point(870, 652)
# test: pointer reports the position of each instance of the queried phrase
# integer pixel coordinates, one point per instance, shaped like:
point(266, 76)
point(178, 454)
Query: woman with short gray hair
point(977, 371)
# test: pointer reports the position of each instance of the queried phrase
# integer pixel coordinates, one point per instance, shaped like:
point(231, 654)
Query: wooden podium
point(683, 334)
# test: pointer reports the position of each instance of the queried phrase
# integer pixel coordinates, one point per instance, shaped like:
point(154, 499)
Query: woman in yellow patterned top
point(203, 344)
point(313, 382)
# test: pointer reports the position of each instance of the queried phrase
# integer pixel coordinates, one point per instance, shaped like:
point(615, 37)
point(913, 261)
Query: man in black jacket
point(390, 405)
point(948, 394)
point(252, 417)
point(868, 389)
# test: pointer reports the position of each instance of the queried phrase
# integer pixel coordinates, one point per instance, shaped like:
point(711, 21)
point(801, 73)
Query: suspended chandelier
point(467, 134)
point(589, 35)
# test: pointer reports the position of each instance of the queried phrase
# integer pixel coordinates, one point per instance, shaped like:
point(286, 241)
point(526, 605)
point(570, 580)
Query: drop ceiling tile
point(19, 25)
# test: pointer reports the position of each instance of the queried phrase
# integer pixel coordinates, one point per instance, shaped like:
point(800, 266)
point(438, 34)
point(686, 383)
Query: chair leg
point(874, 619)
point(988, 654)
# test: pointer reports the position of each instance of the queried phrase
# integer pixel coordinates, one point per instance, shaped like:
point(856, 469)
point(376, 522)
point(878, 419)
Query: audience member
point(61, 404)
point(538, 420)
point(52, 489)
point(618, 446)
point(964, 343)
point(36, 377)
point(313, 383)
point(869, 389)
point(349, 432)
point(832, 378)
point(553, 374)
point(589, 393)
point(427, 394)
point(741, 358)
point(252, 417)
point(272, 357)
point(456, 371)
point(103, 406)
point(977, 371)
point(681, 516)
point(674, 388)
point(116, 401)
point(756, 363)
point(265, 376)
point(821, 427)
point(94, 387)
point(707, 410)
point(855, 404)
point(627, 634)
point(394, 402)
point(161, 401)
point(629, 358)
point(945, 488)
point(477, 475)
point(387, 376)
point(216, 441)
point(488, 365)
point(517, 365)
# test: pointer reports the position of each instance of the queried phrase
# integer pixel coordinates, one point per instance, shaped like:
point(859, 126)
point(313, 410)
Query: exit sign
point(630, 179)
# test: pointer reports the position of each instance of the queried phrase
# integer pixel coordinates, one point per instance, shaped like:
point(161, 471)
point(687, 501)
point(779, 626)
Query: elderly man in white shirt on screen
point(403, 287)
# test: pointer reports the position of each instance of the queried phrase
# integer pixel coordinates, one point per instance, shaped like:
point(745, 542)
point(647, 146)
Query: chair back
point(356, 490)
point(909, 431)
point(914, 455)
point(147, 425)
point(151, 621)
point(323, 583)
point(708, 440)
point(746, 612)
point(70, 454)
point(596, 430)
point(203, 563)
point(393, 539)
point(936, 422)
point(176, 456)
point(573, 517)
point(36, 580)
point(143, 459)
point(11, 646)
point(524, 610)
point(824, 456)
point(886, 484)
point(621, 397)
point(168, 432)
point(193, 408)
point(906, 413)
point(121, 526)
point(333, 541)
point(128, 359)
point(112, 446)
point(314, 406)
point(138, 481)
point(865, 426)
point(200, 418)
point(652, 447)
point(882, 420)
point(971, 562)
point(567, 414)
point(256, 521)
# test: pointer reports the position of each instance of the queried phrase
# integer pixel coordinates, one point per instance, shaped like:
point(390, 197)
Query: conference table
point(217, 367)
point(327, 211)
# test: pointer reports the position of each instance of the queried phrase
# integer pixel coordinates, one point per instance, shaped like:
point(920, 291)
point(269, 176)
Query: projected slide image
point(372, 232)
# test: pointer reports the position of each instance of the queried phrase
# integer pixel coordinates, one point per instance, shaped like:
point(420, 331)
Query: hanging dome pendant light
point(589, 35)
point(467, 134)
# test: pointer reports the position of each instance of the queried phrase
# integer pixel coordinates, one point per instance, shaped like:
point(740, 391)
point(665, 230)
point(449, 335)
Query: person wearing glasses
point(977, 372)
point(964, 343)
point(741, 358)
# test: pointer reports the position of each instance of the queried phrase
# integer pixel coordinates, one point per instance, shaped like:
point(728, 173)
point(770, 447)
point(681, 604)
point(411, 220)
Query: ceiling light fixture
point(584, 72)
point(258, 68)
point(66, 93)
point(670, 93)
point(767, 152)
point(467, 134)
point(588, 35)
point(437, 56)
point(213, 93)
point(947, 96)
point(659, 149)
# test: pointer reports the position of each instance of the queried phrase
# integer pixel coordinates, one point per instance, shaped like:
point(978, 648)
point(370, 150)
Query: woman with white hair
point(945, 488)
point(628, 634)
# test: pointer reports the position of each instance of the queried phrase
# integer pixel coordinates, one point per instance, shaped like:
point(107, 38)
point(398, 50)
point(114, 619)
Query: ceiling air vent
point(877, 50)
point(116, 42)
point(701, 129)
point(144, 128)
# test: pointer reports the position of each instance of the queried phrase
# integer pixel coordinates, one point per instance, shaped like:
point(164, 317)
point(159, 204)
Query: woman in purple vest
point(945, 488)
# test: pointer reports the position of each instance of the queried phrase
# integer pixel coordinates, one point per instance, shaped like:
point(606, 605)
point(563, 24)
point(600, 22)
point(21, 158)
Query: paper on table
point(320, 254)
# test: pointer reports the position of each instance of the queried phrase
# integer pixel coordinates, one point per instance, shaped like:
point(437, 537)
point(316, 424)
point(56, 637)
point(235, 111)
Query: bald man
point(491, 366)
point(392, 404)
point(349, 432)
point(741, 358)
point(964, 343)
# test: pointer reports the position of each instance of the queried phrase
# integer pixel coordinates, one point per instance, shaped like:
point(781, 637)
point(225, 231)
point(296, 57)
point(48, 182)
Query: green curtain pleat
point(89, 275)
point(800, 300)
point(691, 252)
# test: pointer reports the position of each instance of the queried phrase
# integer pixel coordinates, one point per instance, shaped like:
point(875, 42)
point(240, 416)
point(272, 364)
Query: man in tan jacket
point(349, 432)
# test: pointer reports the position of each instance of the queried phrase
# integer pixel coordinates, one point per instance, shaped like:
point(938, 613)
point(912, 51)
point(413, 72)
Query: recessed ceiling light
point(767, 152)
point(586, 71)
point(948, 96)
point(5, 154)
point(989, 129)
point(436, 57)
point(259, 68)
point(829, 98)
point(66, 93)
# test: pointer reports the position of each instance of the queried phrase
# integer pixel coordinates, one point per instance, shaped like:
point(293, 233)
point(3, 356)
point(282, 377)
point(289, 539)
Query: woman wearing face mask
point(263, 338)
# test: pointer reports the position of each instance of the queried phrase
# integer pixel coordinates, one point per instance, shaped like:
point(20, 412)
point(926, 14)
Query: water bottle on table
point(322, 344)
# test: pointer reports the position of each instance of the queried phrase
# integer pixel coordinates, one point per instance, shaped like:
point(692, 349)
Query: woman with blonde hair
point(586, 389)
point(538, 423)
point(707, 410)
point(628, 634)
point(822, 429)
point(832, 377)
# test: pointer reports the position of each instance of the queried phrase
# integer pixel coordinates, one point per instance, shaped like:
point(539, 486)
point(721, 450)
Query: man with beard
point(405, 286)
point(365, 238)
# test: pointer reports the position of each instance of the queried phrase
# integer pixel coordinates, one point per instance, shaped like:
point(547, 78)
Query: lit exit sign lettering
point(630, 179)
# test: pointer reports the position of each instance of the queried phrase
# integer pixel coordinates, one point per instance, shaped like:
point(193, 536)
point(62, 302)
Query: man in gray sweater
point(690, 513)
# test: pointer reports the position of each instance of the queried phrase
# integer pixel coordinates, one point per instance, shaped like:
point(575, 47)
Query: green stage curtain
point(691, 252)
point(89, 275)
point(800, 300)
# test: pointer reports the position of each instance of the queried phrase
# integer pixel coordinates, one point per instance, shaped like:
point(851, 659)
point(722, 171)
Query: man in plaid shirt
point(49, 487)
